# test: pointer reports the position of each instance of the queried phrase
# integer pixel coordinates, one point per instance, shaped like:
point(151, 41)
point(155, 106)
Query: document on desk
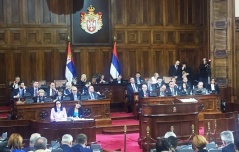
point(188, 100)
point(80, 119)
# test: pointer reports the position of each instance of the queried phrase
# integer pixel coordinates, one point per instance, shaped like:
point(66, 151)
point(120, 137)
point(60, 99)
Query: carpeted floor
point(111, 143)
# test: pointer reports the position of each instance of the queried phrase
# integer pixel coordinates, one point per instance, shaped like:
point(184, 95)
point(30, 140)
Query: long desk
point(115, 92)
point(162, 114)
point(50, 130)
point(97, 109)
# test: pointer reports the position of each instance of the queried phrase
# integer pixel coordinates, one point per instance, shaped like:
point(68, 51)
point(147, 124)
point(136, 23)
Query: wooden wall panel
point(151, 35)
point(31, 11)
point(1, 11)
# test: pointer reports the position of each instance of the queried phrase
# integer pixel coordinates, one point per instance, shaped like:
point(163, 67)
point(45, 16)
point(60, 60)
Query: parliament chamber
point(148, 37)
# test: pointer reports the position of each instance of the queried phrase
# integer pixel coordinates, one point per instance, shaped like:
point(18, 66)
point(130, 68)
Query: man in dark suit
point(228, 141)
point(74, 94)
point(20, 91)
point(66, 143)
point(172, 90)
point(131, 88)
point(175, 71)
point(41, 96)
point(213, 87)
point(59, 95)
point(92, 95)
point(16, 83)
point(34, 90)
point(144, 92)
point(81, 142)
point(150, 86)
point(52, 90)
point(159, 83)
point(85, 88)
point(138, 79)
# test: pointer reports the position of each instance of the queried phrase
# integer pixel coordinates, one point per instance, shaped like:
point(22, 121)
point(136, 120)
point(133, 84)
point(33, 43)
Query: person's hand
point(98, 93)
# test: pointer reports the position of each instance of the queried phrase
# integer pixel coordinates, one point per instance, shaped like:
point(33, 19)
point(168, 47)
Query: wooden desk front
point(161, 113)
point(98, 109)
point(50, 130)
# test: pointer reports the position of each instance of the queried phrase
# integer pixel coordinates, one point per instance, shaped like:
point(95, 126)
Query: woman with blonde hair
point(200, 143)
point(83, 79)
point(15, 143)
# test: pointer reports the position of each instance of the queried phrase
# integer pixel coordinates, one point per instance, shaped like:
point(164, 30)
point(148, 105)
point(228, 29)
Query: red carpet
point(120, 114)
point(113, 142)
point(125, 122)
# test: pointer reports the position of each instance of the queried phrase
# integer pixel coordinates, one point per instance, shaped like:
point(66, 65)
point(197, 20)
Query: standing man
point(175, 71)
point(131, 89)
point(205, 72)
point(16, 83)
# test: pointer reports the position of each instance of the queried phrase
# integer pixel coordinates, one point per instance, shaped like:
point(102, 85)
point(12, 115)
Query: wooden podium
point(97, 109)
point(165, 115)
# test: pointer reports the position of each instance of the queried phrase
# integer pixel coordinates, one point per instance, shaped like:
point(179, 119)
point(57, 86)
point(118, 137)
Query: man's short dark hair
point(41, 143)
point(173, 141)
point(81, 139)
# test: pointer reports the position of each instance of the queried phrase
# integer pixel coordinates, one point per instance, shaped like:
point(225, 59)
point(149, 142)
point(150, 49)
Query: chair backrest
point(185, 150)
point(59, 83)
point(27, 94)
point(152, 94)
point(66, 98)
point(167, 79)
point(84, 97)
point(47, 99)
point(210, 146)
point(215, 150)
point(29, 100)
point(152, 150)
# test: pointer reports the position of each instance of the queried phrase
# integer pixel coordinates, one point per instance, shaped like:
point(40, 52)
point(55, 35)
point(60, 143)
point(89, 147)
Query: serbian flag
point(70, 72)
point(115, 66)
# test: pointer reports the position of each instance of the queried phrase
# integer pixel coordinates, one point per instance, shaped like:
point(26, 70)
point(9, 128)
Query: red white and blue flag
point(115, 66)
point(70, 72)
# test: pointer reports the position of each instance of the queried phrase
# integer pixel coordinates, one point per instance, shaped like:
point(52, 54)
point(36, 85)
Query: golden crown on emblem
point(91, 9)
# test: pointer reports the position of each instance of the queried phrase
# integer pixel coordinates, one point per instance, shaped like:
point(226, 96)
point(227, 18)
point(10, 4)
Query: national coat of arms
point(91, 22)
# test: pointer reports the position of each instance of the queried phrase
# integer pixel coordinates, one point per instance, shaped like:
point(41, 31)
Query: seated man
point(66, 143)
point(92, 95)
point(159, 83)
point(20, 91)
point(74, 94)
point(40, 144)
point(34, 90)
point(59, 96)
point(85, 87)
point(213, 87)
point(52, 90)
point(67, 90)
point(33, 139)
point(199, 89)
point(41, 96)
point(172, 90)
point(144, 92)
point(81, 142)
point(228, 141)
point(162, 90)
point(150, 86)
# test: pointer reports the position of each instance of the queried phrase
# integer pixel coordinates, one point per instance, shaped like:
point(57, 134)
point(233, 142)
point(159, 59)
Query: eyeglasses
point(74, 90)
point(58, 103)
